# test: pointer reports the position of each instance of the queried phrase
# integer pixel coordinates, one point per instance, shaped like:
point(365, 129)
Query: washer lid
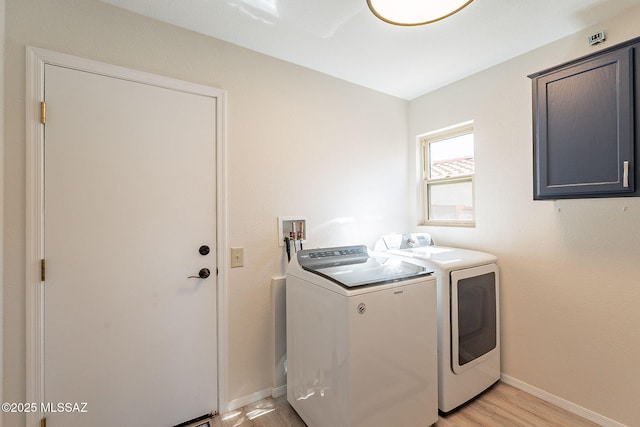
point(352, 266)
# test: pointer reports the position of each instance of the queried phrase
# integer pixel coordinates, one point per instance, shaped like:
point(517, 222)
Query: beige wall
point(299, 143)
point(570, 269)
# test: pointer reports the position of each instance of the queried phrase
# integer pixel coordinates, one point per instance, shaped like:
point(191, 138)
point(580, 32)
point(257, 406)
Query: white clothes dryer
point(468, 315)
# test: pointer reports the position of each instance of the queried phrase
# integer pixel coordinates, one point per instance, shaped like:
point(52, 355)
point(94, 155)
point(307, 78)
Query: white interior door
point(129, 200)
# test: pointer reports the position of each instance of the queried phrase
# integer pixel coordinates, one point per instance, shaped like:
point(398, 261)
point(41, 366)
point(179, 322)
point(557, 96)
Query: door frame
point(36, 60)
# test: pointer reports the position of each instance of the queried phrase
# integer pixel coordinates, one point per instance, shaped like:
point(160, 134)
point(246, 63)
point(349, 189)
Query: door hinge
point(42, 270)
point(43, 422)
point(43, 112)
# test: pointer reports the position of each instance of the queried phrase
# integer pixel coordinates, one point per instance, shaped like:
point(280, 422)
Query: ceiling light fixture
point(415, 12)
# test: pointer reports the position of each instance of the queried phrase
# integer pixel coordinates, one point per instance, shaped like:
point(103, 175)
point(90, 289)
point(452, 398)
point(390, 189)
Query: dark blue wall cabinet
point(586, 126)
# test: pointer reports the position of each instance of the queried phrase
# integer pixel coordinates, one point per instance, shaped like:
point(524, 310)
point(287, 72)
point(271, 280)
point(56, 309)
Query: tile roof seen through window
point(452, 167)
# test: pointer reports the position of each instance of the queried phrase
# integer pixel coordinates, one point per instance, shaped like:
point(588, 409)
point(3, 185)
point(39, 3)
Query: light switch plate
point(237, 257)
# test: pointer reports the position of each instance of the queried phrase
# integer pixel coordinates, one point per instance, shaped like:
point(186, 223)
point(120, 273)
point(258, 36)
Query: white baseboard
point(560, 402)
point(250, 398)
point(258, 395)
point(278, 391)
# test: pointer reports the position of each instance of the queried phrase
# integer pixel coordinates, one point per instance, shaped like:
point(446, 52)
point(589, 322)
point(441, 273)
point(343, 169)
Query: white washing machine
point(361, 340)
point(468, 314)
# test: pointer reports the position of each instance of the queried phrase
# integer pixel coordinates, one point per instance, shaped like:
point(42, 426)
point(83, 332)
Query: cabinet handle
point(625, 174)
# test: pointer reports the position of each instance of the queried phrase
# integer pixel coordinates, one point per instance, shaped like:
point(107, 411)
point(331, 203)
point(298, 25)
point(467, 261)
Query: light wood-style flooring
point(504, 405)
point(500, 406)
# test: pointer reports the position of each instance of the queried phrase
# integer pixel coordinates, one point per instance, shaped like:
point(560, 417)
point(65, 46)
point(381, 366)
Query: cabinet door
point(584, 138)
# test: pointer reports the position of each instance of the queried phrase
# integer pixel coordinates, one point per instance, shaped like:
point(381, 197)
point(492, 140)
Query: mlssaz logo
point(51, 407)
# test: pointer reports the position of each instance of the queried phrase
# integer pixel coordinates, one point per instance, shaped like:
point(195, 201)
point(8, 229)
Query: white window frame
point(427, 182)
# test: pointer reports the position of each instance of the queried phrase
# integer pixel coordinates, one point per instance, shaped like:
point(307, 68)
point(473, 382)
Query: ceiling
point(342, 38)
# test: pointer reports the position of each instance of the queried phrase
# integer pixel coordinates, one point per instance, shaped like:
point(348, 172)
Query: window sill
point(450, 223)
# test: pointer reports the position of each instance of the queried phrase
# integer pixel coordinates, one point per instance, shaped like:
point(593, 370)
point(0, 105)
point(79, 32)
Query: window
point(448, 169)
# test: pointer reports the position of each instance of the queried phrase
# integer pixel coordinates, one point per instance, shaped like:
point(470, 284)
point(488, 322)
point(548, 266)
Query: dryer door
point(475, 333)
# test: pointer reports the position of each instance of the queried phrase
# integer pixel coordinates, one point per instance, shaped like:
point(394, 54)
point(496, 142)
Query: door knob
point(202, 274)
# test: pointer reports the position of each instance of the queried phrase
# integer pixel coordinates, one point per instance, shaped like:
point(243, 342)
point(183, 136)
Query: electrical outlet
point(237, 257)
point(596, 38)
